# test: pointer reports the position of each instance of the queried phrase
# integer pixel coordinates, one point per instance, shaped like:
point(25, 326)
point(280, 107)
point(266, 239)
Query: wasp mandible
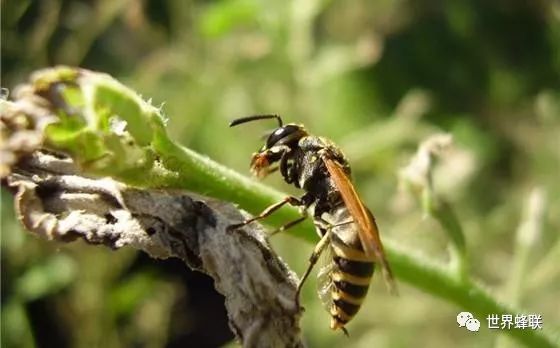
point(344, 224)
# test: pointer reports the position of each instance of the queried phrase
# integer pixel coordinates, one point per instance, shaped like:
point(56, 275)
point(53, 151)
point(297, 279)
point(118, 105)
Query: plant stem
point(469, 296)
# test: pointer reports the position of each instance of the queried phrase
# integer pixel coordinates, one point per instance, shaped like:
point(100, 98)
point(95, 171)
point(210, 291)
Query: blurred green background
point(377, 77)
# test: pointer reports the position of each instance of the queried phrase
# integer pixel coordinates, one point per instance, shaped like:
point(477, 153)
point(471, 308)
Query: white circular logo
point(473, 324)
point(463, 317)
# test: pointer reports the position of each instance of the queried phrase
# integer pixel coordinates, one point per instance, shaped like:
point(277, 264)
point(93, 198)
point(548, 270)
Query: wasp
point(346, 227)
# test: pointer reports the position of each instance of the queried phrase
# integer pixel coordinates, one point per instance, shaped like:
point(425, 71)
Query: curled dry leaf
point(54, 202)
point(22, 125)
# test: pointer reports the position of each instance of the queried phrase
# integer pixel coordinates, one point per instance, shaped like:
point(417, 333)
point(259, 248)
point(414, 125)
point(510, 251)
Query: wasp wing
point(367, 231)
point(324, 279)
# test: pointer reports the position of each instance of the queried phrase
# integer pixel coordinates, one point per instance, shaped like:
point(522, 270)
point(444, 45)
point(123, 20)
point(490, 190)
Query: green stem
point(469, 296)
point(528, 233)
point(444, 214)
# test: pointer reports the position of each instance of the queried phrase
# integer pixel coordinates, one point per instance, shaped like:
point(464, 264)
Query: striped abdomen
point(351, 275)
point(350, 272)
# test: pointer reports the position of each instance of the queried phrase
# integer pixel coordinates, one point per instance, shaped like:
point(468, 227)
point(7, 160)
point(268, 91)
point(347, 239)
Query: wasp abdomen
point(350, 278)
point(354, 268)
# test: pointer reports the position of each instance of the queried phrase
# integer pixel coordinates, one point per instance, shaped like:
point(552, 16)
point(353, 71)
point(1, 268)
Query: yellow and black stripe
point(351, 276)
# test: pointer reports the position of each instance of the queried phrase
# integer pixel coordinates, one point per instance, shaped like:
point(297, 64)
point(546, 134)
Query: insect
point(346, 227)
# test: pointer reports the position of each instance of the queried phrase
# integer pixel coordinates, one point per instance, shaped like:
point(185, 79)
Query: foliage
point(376, 77)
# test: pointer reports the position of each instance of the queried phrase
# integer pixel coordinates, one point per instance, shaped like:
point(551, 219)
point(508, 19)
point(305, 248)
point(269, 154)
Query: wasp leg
point(289, 224)
point(342, 223)
point(271, 209)
point(319, 248)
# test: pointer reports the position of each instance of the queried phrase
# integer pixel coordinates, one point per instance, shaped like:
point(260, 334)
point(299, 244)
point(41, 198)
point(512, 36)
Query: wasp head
point(280, 142)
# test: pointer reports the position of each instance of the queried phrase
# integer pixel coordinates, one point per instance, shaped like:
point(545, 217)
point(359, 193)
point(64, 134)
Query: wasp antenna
point(255, 118)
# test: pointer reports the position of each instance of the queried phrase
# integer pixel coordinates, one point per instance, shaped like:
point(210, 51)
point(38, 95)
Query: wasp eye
point(281, 135)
